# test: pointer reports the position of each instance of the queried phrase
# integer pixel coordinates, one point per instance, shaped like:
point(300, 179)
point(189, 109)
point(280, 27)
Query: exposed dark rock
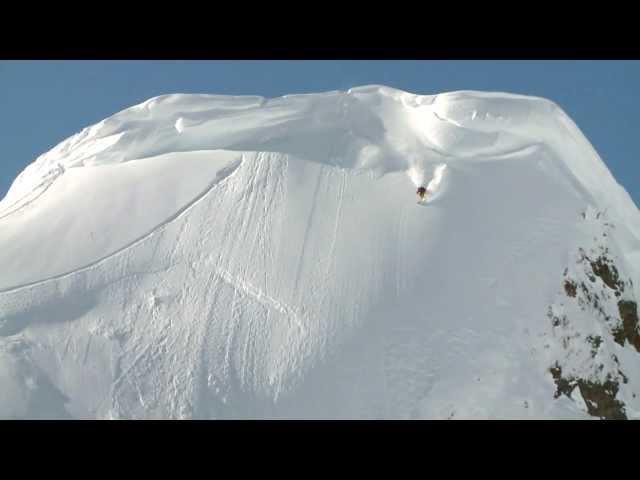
point(570, 288)
point(595, 344)
point(600, 398)
point(629, 328)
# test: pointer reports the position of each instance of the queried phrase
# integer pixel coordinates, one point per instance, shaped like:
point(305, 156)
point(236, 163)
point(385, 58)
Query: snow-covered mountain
point(202, 256)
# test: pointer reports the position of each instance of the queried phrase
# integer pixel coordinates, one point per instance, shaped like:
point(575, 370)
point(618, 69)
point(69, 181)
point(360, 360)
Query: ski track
point(40, 189)
point(305, 238)
point(401, 247)
point(338, 218)
point(260, 296)
point(250, 214)
point(86, 351)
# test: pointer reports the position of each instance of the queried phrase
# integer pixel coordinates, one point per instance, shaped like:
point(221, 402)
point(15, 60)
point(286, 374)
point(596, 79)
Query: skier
point(422, 192)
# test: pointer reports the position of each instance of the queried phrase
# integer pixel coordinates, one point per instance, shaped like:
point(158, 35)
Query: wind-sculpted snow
point(201, 256)
point(89, 214)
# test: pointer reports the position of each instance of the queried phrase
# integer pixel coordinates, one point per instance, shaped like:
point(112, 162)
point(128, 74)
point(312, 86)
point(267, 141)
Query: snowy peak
point(372, 127)
point(241, 257)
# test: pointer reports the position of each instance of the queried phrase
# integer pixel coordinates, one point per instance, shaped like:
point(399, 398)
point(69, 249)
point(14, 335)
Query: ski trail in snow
point(400, 250)
point(122, 376)
point(447, 120)
point(305, 239)
point(240, 219)
point(86, 350)
point(36, 192)
point(66, 345)
point(338, 217)
point(223, 174)
point(254, 292)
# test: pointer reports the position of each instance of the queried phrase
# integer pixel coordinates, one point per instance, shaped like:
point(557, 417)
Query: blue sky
point(44, 102)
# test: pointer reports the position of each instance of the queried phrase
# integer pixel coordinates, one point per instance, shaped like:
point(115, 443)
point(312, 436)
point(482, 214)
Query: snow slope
point(202, 256)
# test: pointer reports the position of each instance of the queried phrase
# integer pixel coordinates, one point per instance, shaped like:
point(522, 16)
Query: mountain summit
point(204, 256)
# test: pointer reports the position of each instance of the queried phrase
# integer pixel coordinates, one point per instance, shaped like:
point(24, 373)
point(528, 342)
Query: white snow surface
point(204, 256)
